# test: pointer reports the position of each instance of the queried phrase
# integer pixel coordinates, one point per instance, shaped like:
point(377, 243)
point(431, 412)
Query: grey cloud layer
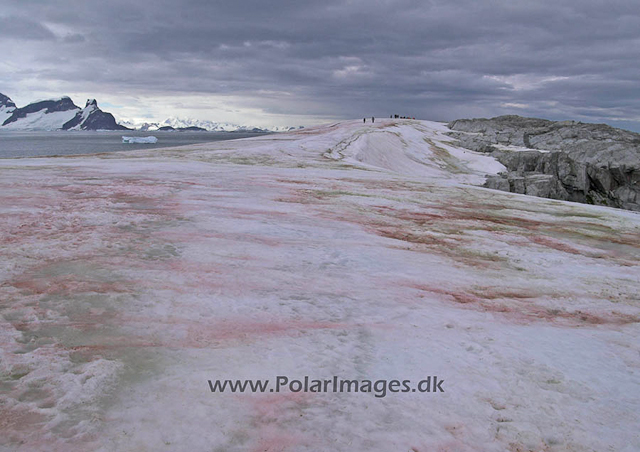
point(433, 59)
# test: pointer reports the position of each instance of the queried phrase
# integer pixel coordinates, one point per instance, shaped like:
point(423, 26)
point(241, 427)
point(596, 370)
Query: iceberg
point(149, 140)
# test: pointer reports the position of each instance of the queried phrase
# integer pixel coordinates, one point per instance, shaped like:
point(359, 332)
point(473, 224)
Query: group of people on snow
point(364, 120)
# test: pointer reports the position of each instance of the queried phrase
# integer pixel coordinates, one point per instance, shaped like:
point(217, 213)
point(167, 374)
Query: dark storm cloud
point(432, 59)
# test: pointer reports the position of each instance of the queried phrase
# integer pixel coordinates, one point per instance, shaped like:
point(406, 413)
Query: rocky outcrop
point(192, 129)
point(568, 160)
point(6, 102)
point(7, 108)
point(92, 118)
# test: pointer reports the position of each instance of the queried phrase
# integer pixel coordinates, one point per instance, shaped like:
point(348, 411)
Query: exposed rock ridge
point(6, 101)
point(568, 160)
point(92, 118)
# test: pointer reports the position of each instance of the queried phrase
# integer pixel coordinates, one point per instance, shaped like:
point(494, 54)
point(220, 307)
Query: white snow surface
point(41, 120)
point(150, 139)
point(363, 251)
point(5, 113)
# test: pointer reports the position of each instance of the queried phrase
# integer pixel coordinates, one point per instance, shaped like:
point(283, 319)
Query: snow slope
point(421, 150)
point(130, 279)
point(5, 113)
point(42, 120)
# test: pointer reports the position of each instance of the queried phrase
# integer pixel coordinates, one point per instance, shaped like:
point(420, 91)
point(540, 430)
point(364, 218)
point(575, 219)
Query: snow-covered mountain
point(63, 114)
point(6, 108)
point(55, 114)
point(179, 123)
point(211, 126)
point(92, 118)
point(42, 115)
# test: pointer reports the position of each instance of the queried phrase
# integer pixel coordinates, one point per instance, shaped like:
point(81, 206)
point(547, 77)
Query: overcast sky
point(297, 62)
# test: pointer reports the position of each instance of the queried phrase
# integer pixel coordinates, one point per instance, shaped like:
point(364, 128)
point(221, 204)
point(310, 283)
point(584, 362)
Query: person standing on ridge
point(373, 119)
point(364, 120)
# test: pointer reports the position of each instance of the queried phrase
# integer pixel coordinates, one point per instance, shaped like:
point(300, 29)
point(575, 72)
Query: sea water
point(34, 144)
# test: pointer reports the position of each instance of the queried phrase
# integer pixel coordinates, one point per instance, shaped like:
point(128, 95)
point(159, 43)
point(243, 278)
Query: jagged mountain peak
point(6, 101)
point(7, 108)
point(55, 114)
point(92, 118)
point(62, 113)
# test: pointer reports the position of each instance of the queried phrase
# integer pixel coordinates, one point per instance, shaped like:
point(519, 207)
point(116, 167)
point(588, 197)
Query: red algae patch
point(458, 296)
point(130, 281)
point(268, 405)
point(68, 284)
point(266, 410)
point(21, 418)
point(555, 244)
point(192, 334)
point(202, 333)
point(520, 307)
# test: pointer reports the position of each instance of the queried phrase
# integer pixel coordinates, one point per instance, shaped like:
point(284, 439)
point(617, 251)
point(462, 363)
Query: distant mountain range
point(63, 114)
point(180, 124)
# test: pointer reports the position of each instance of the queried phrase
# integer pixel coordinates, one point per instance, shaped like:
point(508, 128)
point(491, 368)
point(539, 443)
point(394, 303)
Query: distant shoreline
point(37, 144)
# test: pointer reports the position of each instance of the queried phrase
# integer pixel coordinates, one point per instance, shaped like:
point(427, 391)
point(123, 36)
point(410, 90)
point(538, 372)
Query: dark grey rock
point(192, 129)
point(592, 163)
point(498, 183)
point(516, 184)
point(6, 101)
point(149, 126)
point(540, 185)
point(92, 118)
